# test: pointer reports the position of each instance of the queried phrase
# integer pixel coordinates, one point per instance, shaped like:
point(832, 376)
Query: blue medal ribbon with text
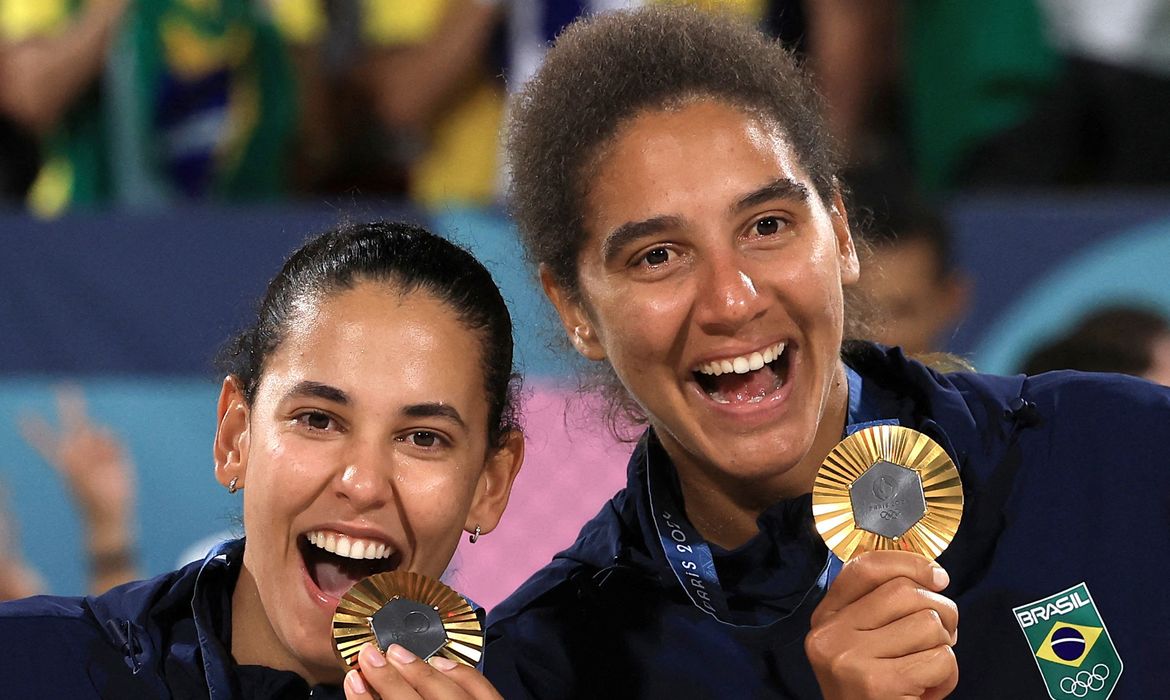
point(687, 552)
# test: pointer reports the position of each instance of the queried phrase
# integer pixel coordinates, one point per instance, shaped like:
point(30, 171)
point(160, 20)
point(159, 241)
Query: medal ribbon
point(687, 552)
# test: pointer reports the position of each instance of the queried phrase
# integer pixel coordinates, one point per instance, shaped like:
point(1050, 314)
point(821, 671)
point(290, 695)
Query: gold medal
point(887, 487)
point(411, 610)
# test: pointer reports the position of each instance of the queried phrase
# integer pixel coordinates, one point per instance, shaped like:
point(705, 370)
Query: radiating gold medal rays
point(887, 487)
point(409, 609)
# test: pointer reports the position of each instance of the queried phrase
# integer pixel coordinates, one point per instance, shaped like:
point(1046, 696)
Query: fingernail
point(356, 684)
point(401, 654)
point(371, 656)
point(442, 663)
point(940, 577)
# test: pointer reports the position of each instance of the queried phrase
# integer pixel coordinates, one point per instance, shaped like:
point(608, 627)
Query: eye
point(425, 438)
point(655, 257)
point(316, 420)
point(768, 226)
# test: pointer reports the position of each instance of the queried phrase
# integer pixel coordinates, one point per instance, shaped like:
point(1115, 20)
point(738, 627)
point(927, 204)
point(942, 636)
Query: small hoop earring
point(232, 488)
point(474, 537)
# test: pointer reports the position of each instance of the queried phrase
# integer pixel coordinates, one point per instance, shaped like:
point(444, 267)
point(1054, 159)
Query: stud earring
point(232, 488)
point(474, 537)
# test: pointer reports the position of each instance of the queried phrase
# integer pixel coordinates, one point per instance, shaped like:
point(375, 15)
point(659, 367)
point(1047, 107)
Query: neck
point(724, 508)
point(254, 641)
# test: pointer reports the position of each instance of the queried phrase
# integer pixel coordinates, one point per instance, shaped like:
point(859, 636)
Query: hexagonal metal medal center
point(410, 624)
point(887, 499)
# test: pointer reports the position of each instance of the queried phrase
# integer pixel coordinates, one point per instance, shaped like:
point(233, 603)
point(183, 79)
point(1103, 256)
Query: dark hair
point(409, 257)
point(1112, 339)
point(608, 69)
point(605, 70)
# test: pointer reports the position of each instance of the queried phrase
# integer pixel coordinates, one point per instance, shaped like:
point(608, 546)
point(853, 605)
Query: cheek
point(640, 323)
point(433, 498)
point(283, 477)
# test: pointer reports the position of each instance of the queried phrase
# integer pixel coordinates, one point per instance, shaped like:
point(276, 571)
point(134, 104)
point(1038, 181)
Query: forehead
point(698, 145)
point(909, 259)
point(375, 341)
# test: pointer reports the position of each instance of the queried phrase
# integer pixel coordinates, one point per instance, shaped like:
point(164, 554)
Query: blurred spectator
point(1126, 339)
point(1103, 122)
point(144, 101)
point(426, 70)
point(19, 160)
point(100, 478)
point(909, 279)
point(17, 578)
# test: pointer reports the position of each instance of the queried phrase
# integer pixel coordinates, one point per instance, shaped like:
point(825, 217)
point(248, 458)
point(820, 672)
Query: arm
point(40, 79)
point(853, 52)
point(100, 477)
point(410, 84)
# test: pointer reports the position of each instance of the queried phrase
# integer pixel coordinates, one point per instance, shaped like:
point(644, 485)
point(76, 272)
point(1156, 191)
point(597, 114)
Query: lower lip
point(751, 414)
point(320, 597)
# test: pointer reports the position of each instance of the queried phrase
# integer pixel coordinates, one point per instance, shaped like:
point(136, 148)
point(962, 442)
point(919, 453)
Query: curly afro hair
point(607, 69)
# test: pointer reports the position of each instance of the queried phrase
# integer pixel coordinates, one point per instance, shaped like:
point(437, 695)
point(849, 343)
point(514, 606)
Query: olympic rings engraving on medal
point(1084, 681)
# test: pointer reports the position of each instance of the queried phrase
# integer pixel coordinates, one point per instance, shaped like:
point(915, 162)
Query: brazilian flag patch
point(1073, 650)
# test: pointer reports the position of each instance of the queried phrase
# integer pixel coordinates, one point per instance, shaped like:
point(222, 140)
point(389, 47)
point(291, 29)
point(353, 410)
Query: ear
point(574, 317)
point(956, 296)
point(231, 434)
point(846, 252)
point(495, 484)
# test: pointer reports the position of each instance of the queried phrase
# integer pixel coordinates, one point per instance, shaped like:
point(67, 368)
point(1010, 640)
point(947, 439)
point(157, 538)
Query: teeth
point(744, 363)
point(349, 547)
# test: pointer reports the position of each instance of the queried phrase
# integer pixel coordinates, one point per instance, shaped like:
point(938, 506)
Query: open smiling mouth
point(746, 379)
point(335, 562)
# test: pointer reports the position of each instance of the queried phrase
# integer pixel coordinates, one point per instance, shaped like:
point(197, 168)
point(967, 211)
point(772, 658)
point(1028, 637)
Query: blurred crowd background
point(1008, 165)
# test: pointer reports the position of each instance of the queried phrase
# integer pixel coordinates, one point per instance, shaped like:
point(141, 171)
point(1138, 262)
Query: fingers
point(377, 675)
point(71, 409)
point(927, 675)
point(914, 633)
point(931, 673)
point(884, 631)
point(401, 674)
point(900, 598)
point(864, 573)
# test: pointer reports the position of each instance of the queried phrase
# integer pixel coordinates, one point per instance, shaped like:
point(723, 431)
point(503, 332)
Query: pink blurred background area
point(572, 466)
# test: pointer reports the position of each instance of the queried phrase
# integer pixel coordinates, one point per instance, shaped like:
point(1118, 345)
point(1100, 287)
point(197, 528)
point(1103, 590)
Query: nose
point(364, 481)
point(728, 298)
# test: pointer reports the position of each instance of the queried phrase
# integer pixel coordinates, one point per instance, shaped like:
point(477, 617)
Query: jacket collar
point(980, 413)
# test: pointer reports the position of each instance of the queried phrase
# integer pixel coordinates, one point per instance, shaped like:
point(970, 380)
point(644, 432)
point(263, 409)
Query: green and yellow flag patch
point(1073, 650)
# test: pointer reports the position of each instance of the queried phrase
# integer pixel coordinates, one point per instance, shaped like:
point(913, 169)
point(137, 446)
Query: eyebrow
point(321, 391)
point(780, 188)
point(622, 236)
point(434, 410)
point(631, 231)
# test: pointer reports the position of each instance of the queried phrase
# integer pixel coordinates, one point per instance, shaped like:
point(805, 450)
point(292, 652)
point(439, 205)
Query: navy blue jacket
point(1066, 479)
point(162, 638)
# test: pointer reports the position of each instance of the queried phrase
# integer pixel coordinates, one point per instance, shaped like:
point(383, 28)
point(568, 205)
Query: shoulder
point(596, 545)
point(46, 612)
point(64, 625)
point(1067, 391)
point(538, 638)
point(94, 639)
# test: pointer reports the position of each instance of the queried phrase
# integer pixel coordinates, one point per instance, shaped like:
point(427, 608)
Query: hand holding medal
point(386, 623)
point(887, 501)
